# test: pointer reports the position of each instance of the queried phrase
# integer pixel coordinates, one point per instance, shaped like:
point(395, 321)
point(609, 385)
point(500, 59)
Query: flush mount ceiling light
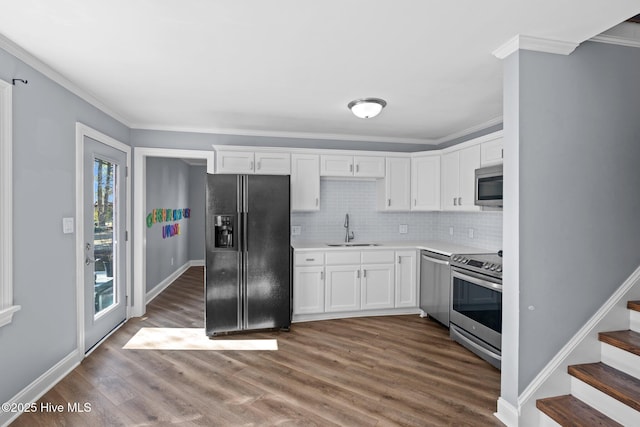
point(366, 108)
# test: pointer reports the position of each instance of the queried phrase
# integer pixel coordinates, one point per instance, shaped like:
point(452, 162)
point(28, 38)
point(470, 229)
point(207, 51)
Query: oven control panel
point(482, 263)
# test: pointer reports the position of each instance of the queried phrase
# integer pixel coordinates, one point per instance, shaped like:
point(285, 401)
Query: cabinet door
point(377, 286)
point(425, 183)
point(450, 180)
point(342, 291)
point(369, 166)
point(305, 182)
point(335, 165)
point(469, 162)
point(394, 191)
point(234, 162)
point(308, 290)
point(491, 152)
point(268, 163)
point(406, 279)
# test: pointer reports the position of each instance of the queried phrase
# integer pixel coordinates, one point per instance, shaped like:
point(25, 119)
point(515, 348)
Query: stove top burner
point(489, 264)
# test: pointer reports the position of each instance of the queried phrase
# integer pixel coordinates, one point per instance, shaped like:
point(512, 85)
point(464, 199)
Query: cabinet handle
point(322, 275)
point(317, 201)
point(455, 202)
point(502, 153)
point(388, 202)
point(459, 201)
point(350, 168)
point(251, 165)
point(357, 168)
point(399, 260)
point(258, 165)
point(310, 259)
point(364, 273)
point(415, 202)
point(358, 274)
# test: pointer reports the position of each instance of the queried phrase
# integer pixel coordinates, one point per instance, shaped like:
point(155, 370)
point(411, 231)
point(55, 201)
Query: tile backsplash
point(358, 199)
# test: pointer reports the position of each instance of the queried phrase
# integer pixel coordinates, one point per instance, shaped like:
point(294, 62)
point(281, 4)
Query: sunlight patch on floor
point(191, 339)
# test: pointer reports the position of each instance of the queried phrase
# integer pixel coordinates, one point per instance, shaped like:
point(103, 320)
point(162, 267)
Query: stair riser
point(604, 403)
point(546, 421)
point(635, 320)
point(620, 359)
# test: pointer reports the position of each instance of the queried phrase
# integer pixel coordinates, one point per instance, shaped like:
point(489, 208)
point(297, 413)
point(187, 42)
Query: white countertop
point(445, 248)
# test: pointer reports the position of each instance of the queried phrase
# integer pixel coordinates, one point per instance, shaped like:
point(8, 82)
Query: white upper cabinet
point(425, 183)
point(394, 191)
point(234, 162)
point(369, 166)
point(345, 166)
point(272, 163)
point(249, 162)
point(305, 182)
point(492, 152)
point(458, 179)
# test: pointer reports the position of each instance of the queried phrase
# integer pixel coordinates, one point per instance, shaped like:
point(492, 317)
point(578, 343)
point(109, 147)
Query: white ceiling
point(289, 67)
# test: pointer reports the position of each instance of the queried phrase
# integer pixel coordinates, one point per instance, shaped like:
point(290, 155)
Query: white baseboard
point(41, 385)
point(172, 278)
point(507, 413)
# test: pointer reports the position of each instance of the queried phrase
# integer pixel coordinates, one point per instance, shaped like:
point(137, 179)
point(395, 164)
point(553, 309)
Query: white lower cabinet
point(406, 279)
point(342, 291)
point(378, 286)
point(352, 281)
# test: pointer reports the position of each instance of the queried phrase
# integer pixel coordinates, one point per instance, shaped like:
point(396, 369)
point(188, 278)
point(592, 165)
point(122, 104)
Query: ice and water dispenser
point(223, 231)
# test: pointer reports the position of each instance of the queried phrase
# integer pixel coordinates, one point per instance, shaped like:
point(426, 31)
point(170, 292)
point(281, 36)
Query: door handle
point(88, 261)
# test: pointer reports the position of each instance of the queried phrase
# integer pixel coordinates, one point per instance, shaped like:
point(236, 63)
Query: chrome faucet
point(348, 236)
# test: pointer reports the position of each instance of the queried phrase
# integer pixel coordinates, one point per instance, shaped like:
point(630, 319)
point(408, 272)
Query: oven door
point(476, 306)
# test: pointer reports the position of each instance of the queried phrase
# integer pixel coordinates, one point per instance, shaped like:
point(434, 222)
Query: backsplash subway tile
point(358, 199)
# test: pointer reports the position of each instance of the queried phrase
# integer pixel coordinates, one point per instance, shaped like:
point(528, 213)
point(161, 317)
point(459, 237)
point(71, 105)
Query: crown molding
point(537, 44)
point(625, 34)
point(284, 134)
point(26, 57)
point(469, 131)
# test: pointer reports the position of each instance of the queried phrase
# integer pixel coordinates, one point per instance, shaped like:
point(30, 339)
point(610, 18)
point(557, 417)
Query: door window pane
point(104, 220)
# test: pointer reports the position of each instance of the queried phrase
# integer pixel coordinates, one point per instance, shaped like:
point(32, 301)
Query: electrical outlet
point(67, 225)
point(471, 232)
point(296, 230)
point(450, 231)
point(403, 229)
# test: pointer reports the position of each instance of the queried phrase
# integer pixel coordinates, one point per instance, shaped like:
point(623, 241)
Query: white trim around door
point(83, 131)
point(140, 155)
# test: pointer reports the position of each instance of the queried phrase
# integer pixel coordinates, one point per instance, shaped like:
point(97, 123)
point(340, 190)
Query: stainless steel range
point(476, 304)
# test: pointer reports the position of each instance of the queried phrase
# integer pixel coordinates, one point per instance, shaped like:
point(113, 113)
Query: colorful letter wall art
point(159, 216)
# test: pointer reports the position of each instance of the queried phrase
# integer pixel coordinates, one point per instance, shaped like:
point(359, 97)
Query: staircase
point(605, 393)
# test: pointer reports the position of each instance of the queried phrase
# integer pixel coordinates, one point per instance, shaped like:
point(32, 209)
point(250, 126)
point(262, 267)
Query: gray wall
point(579, 150)
point(197, 182)
point(44, 116)
point(167, 188)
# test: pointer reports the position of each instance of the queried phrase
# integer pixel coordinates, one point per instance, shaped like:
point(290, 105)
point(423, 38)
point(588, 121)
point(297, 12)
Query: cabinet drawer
point(343, 257)
point(378, 257)
point(309, 258)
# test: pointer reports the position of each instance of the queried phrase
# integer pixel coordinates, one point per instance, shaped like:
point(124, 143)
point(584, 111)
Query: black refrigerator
point(248, 253)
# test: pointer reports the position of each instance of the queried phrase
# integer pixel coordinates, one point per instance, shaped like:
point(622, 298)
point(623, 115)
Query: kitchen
point(548, 123)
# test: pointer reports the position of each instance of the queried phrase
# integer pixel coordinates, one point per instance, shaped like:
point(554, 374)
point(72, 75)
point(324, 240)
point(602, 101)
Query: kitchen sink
point(351, 244)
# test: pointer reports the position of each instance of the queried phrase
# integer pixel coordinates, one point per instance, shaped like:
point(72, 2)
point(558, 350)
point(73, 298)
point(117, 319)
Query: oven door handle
point(473, 344)
point(475, 280)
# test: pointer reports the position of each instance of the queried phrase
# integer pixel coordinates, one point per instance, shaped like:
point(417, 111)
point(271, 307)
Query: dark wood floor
point(394, 370)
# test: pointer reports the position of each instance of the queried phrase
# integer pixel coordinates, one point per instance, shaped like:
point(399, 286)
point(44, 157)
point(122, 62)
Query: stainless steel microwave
point(489, 186)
